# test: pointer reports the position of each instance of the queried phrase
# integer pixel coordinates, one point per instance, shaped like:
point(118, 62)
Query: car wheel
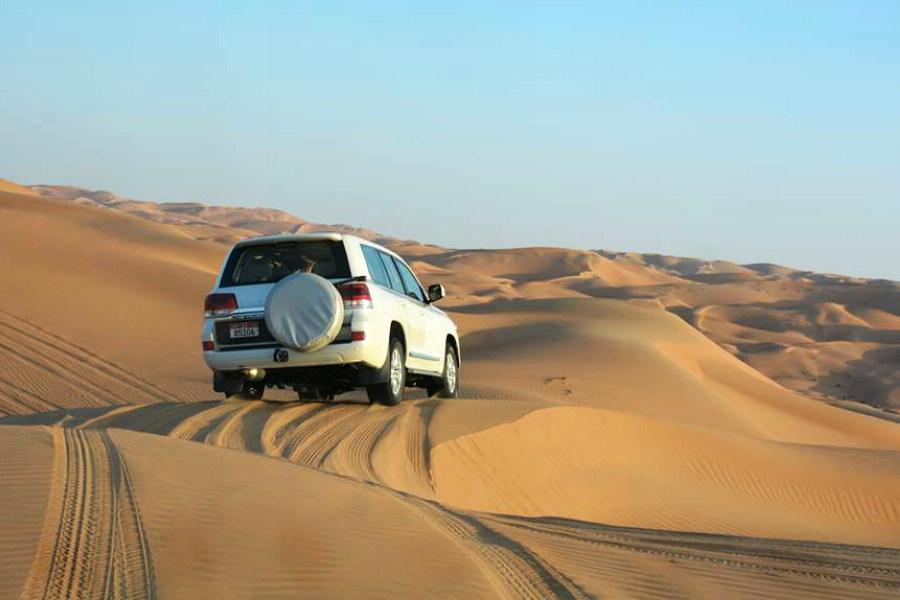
point(390, 392)
point(446, 386)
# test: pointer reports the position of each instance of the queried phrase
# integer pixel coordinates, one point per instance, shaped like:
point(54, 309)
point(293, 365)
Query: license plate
point(243, 330)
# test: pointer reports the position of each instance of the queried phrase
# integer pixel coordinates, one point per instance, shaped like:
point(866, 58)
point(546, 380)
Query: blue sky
point(760, 132)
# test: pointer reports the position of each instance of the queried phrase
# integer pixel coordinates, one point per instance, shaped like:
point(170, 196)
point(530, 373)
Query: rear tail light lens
point(355, 295)
point(208, 346)
point(357, 336)
point(217, 305)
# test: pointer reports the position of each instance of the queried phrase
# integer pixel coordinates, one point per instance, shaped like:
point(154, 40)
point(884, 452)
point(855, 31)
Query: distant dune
point(630, 426)
point(15, 188)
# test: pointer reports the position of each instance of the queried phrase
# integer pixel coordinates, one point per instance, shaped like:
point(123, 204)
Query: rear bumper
point(364, 353)
point(370, 352)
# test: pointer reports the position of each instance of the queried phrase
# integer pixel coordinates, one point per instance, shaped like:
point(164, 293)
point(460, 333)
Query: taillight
point(217, 305)
point(355, 295)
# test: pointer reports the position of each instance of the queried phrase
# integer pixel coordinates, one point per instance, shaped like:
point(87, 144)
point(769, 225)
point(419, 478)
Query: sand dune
point(536, 459)
point(201, 521)
point(803, 304)
point(15, 188)
point(215, 223)
point(613, 439)
point(99, 307)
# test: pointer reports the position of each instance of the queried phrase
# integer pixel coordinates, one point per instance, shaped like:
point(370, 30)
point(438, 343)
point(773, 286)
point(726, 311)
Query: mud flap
point(228, 382)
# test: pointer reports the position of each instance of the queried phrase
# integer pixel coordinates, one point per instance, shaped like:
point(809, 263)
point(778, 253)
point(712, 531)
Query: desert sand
point(630, 426)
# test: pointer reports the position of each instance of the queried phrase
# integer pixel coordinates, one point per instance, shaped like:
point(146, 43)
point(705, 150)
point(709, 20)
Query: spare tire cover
point(304, 311)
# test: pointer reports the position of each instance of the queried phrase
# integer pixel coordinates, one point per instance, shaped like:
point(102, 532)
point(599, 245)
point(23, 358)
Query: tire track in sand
point(385, 446)
point(517, 572)
point(93, 544)
point(54, 356)
point(865, 568)
point(370, 446)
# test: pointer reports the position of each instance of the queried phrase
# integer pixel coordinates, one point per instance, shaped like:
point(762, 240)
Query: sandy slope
point(532, 459)
point(98, 306)
point(15, 188)
point(172, 518)
point(603, 446)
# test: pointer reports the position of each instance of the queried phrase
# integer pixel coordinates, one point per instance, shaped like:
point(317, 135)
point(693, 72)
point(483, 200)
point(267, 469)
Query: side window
point(376, 267)
point(393, 275)
point(413, 289)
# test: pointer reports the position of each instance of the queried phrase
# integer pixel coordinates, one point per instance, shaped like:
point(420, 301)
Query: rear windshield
point(268, 263)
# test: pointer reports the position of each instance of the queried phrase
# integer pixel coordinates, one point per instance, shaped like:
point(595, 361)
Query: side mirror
point(436, 292)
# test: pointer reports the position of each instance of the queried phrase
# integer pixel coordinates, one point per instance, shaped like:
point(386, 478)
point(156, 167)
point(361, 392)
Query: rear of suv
point(325, 313)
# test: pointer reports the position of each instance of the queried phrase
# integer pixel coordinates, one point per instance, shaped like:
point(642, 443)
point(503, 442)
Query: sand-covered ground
point(629, 426)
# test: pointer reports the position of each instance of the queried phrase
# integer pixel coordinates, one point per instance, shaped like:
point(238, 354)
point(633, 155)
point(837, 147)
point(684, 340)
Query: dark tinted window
point(268, 263)
point(412, 286)
point(376, 267)
point(393, 274)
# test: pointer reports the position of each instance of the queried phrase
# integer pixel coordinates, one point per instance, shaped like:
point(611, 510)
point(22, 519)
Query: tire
point(447, 385)
point(390, 392)
point(304, 312)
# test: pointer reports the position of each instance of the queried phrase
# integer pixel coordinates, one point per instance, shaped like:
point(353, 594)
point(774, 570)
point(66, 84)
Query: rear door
point(427, 357)
point(253, 269)
point(411, 318)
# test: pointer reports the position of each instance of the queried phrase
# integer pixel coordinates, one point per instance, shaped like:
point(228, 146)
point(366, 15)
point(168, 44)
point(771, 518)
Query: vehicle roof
point(334, 236)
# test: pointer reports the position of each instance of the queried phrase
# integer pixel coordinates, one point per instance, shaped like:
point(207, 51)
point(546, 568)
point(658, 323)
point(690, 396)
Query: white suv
point(324, 313)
